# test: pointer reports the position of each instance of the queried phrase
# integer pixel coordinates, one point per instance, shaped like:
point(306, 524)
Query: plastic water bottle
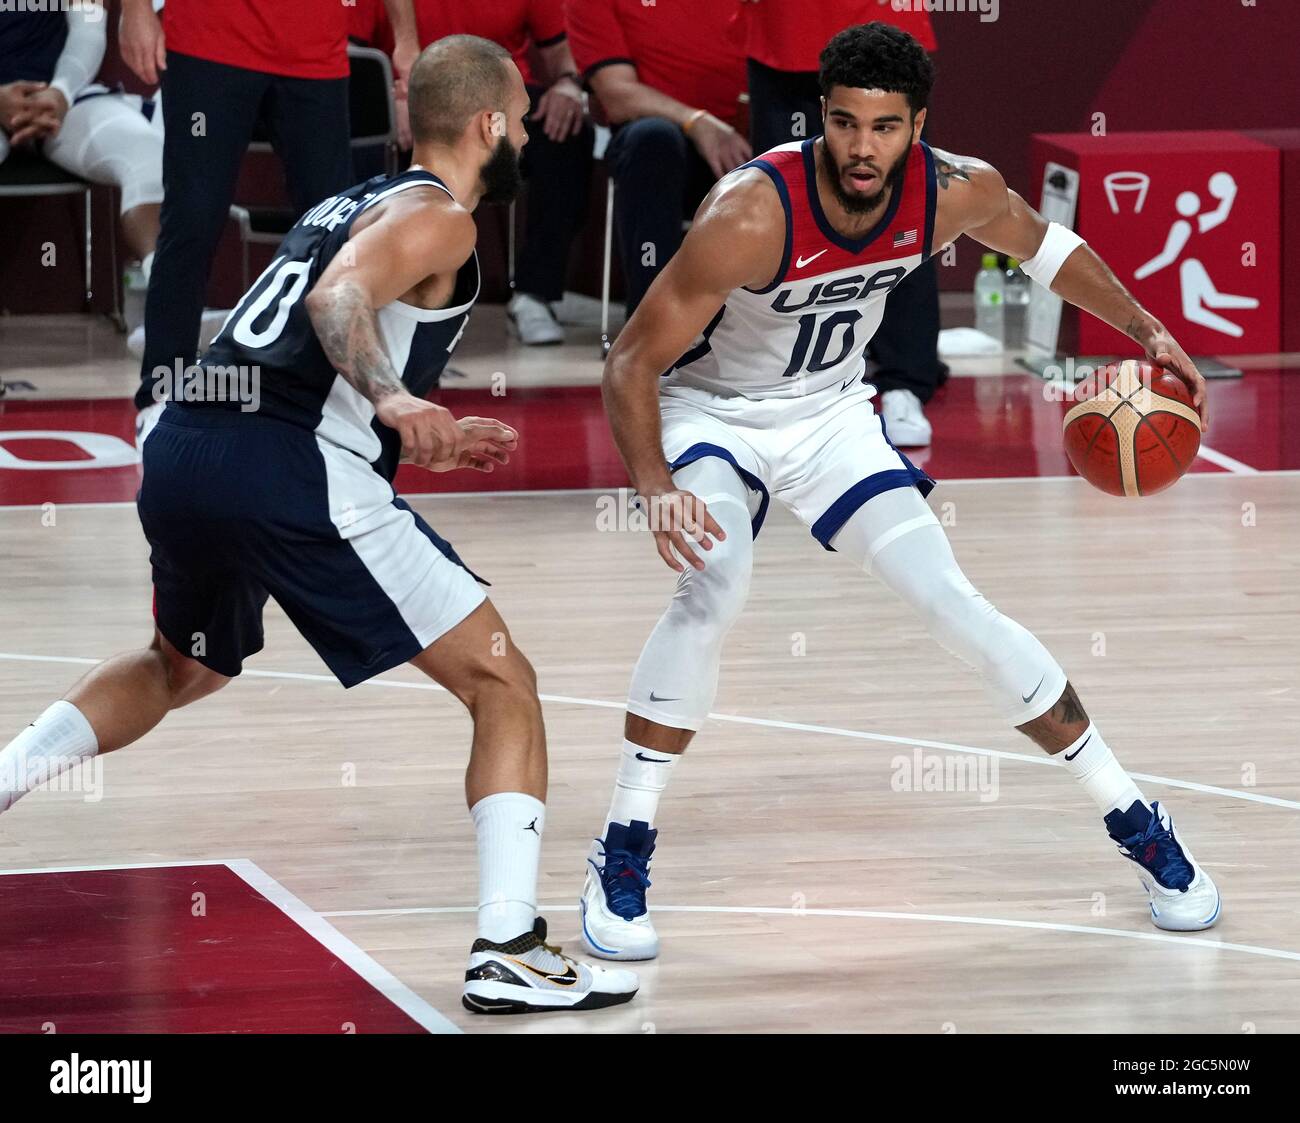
point(1016, 302)
point(990, 286)
point(134, 290)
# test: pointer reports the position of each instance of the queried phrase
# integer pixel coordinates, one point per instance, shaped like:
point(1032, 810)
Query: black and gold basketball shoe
point(527, 975)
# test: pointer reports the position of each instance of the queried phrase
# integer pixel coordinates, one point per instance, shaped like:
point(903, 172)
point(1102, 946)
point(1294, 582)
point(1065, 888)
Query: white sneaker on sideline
point(533, 319)
point(904, 419)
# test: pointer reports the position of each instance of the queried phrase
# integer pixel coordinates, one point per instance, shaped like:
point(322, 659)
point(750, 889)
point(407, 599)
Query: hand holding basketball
point(1164, 350)
point(1134, 431)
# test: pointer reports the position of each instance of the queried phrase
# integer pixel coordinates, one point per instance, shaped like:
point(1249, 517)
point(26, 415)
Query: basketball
point(1135, 433)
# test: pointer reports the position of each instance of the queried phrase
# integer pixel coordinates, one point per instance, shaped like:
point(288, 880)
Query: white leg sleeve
point(106, 139)
point(896, 537)
point(676, 678)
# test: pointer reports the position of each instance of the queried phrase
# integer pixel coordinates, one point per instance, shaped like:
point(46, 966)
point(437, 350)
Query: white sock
point(61, 738)
point(509, 827)
point(146, 265)
point(642, 776)
point(1094, 766)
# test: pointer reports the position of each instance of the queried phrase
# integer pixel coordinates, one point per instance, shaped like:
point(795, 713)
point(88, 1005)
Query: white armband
point(1058, 243)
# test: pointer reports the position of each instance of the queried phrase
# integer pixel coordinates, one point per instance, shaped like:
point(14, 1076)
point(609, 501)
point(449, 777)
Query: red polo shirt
point(682, 48)
point(296, 38)
point(515, 24)
point(790, 36)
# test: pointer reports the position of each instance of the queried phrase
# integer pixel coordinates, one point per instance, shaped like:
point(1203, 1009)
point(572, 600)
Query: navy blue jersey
point(30, 45)
point(269, 329)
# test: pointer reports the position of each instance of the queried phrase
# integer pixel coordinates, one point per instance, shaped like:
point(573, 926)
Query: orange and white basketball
point(1135, 432)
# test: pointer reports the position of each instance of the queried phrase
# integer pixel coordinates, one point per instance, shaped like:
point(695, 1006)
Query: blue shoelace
point(1166, 861)
point(625, 877)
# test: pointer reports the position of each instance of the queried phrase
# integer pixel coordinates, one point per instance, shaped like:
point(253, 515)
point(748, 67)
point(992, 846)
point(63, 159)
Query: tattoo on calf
point(1059, 727)
point(1068, 709)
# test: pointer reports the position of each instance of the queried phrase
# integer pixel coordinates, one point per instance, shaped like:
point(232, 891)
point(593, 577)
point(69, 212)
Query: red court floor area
point(174, 949)
point(1000, 426)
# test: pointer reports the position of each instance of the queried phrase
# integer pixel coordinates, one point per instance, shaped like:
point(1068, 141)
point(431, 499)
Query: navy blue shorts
point(238, 507)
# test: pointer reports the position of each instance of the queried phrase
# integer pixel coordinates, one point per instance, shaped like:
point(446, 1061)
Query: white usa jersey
point(808, 330)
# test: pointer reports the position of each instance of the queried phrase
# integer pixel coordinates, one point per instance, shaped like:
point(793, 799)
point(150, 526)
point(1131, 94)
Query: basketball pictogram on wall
point(1190, 223)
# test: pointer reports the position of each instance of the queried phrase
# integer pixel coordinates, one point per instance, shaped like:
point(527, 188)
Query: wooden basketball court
point(809, 877)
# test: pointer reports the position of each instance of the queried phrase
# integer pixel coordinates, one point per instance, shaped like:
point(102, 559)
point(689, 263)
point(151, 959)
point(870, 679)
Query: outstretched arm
point(736, 239)
point(974, 199)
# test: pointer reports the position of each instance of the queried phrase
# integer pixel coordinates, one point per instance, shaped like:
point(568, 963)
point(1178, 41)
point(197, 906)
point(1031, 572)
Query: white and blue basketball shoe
point(615, 919)
point(1183, 897)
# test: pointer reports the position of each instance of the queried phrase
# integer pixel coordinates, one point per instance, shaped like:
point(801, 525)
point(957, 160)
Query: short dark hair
point(878, 56)
point(453, 79)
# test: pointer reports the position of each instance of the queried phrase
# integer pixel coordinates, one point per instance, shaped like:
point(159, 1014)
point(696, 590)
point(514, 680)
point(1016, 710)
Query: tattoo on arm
point(946, 170)
point(348, 332)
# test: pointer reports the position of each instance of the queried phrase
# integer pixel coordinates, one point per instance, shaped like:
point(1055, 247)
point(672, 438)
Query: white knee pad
point(676, 678)
point(914, 560)
point(106, 139)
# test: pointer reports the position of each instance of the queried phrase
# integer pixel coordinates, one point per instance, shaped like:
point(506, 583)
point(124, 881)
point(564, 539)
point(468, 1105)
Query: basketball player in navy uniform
point(350, 325)
point(779, 285)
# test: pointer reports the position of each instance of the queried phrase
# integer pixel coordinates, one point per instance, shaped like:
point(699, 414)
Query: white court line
point(944, 481)
point(323, 932)
point(1225, 461)
point(308, 919)
point(872, 914)
point(766, 723)
point(120, 866)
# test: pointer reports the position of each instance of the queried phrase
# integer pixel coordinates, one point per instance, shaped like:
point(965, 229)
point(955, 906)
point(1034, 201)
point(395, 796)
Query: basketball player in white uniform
point(349, 326)
point(761, 320)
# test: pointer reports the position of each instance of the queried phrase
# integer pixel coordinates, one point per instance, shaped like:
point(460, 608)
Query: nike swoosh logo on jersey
point(808, 260)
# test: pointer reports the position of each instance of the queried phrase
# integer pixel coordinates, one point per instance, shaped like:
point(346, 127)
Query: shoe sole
point(619, 956)
point(479, 1003)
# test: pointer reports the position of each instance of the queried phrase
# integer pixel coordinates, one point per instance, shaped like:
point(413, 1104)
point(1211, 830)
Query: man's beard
point(861, 204)
point(500, 176)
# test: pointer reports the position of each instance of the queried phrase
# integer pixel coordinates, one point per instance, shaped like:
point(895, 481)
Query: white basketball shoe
point(1183, 896)
point(615, 919)
point(527, 975)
